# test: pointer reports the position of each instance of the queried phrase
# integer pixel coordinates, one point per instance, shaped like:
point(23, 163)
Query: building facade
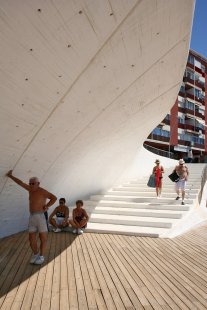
point(184, 129)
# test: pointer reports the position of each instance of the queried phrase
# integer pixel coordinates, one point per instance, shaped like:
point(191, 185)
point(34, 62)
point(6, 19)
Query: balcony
point(194, 129)
point(191, 66)
point(200, 115)
point(197, 83)
point(199, 146)
point(158, 138)
point(183, 142)
point(165, 121)
point(198, 99)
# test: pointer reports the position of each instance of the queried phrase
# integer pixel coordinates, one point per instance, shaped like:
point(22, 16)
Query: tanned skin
point(38, 197)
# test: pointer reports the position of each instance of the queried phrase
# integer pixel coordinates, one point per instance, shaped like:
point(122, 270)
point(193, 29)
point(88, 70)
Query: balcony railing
point(196, 82)
point(185, 143)
point(194, 128)
point(198, 99)
point(159, 138)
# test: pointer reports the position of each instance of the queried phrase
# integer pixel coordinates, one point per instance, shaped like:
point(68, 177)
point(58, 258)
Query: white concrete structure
point(82, 85)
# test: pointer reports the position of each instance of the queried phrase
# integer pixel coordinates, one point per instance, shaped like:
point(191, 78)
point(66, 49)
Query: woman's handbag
point(151, 182)
point(174, 177)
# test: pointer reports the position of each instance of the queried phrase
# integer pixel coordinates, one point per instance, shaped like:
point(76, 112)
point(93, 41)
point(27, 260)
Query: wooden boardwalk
point(101, 271)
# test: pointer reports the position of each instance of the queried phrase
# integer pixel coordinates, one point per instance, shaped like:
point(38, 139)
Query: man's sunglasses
point(32, 183)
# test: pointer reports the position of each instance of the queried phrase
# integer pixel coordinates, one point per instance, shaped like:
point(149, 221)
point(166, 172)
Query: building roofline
point(198, 55)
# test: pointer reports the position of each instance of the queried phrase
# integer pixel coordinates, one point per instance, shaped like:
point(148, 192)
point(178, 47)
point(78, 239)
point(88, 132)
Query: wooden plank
point(100, 271)
point(47, 290)
point(33, 290)
point(13, 252)
point(12, 266)
point(94, 281)
point(73, 296)
point(185, 293)
point(135, 284)
point(101, 279)
point(40, 284)
point(106, 273)
point(184, 276)
point(128, 296)
point(158, 276)
point(82, 301)
point(64, 298)
point(55, 294)
point(90, 296)
point(6, 248)
point(183, 264)
point(136, 273)
point(110, 267)
point(22, 275)
point(146, 274)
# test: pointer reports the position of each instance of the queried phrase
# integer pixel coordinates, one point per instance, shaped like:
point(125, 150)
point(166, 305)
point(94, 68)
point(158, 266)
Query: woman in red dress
point(158, 171)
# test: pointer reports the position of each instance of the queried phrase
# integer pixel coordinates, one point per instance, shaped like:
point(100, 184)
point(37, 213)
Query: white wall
point(83, 83)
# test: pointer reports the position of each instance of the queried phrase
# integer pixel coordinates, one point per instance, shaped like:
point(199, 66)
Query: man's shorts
point(37, 222)
point(59, 220)
point(180, 185)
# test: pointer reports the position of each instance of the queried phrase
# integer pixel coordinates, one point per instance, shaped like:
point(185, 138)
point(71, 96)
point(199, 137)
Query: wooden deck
point(100, 271)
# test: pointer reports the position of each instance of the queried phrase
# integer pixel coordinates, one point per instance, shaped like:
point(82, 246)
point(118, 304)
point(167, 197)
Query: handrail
point(159, 152)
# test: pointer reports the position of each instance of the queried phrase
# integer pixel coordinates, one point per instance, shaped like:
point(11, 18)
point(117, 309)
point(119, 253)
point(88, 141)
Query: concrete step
point(139, 199)
point(92, 204)
point(152, 232)
point(132, 220)
point(146, 193)
point(138, 212)
point(194, 183)
point(133, 208)
point(169, 189)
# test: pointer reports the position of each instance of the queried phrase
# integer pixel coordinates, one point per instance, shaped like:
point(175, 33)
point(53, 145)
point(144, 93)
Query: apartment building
point(184, 128)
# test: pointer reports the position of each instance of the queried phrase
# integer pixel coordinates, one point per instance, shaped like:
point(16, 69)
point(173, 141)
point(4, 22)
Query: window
point(181, 120)
point(197, 93)
point(189, 105)
point(198, 140)
point(160, 132)
point(203, 68)
point(182, 89)
point(191, 59)
point(197, 63)
point(190, 74)
point(184, 137)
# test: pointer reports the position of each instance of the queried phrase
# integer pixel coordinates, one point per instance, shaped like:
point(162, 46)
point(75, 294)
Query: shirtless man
point(183, 173)
point(37, 223)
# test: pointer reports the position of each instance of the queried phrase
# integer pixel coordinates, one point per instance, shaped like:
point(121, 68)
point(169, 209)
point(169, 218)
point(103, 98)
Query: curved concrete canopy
point(82, 85)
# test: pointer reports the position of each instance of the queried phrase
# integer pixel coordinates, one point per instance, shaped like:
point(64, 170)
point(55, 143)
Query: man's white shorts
point(180, 185)
point(37, 223)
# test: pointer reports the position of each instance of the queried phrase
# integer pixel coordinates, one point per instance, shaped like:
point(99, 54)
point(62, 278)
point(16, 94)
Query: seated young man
point(80, 218)
point(61, 214)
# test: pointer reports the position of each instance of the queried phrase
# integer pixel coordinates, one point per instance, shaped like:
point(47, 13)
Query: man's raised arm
point(16, 180)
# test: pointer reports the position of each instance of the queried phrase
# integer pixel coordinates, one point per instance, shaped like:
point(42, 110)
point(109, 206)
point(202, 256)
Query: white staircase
point(133, 208)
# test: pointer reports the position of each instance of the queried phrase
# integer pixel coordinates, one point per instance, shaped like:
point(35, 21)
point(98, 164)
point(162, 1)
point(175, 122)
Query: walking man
point(37, 222)
point(183, 173)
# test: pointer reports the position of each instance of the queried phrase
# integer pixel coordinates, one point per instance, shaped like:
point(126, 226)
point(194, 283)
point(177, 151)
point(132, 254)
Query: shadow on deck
point(100, 271)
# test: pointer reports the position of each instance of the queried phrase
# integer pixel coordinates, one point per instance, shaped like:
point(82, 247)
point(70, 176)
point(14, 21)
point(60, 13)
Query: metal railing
point(159, 151)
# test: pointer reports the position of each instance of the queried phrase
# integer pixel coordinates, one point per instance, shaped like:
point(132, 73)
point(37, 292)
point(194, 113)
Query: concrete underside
point(82, 84)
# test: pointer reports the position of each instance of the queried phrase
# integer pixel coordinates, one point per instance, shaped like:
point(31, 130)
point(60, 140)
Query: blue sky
point(199, 31)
